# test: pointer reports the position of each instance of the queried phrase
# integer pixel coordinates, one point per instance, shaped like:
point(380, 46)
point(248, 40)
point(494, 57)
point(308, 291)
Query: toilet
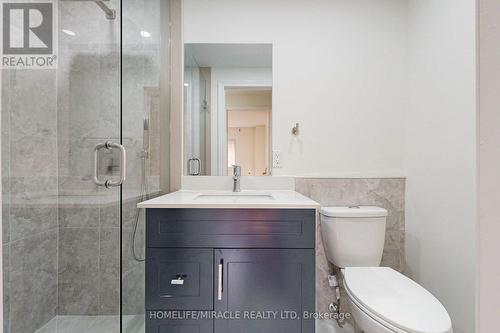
point(382, 300)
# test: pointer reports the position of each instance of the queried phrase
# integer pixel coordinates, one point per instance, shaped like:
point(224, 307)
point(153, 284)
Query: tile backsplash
point(388, 193)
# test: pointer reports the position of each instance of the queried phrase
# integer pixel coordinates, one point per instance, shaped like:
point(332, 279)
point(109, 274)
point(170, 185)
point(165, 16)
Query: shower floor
point(93, 324)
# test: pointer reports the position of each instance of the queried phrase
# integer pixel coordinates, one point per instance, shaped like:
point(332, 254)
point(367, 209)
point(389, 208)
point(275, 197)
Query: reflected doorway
point(248, 116)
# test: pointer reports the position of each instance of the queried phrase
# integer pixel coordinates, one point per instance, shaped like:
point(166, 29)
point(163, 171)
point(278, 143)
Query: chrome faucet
point(236, 178)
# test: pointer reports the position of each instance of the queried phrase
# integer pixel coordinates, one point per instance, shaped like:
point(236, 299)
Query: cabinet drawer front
point(179, 279)
point(231, 228)
point(177, 325)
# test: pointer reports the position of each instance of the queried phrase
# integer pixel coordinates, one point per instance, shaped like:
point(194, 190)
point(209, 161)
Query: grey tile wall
point(78, 271)
point(109, 271)
point(59, 258)
point(133, 278)
point(33, 266)
point(89, 259)
point(89, 113)
point(29, 170)
point(384, 192)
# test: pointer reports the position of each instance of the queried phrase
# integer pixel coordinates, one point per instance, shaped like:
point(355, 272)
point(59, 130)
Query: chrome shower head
point(110, 13)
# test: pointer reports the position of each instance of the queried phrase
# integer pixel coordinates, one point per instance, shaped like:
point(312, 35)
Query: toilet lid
point(398, 300)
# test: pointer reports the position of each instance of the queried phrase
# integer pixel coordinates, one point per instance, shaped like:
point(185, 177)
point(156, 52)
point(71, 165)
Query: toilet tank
point(353, 236)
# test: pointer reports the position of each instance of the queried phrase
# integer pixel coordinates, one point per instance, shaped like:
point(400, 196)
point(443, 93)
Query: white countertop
point(227, 199)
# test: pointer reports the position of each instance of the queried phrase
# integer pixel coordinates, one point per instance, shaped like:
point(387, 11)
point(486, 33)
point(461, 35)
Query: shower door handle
point(123, 158)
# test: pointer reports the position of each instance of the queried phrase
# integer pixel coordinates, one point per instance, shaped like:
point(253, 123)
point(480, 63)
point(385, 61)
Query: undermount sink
point(227, 199)
point(239, 196)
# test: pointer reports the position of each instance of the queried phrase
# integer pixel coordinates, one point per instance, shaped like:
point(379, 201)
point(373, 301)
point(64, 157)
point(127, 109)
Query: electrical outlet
point(276, 159)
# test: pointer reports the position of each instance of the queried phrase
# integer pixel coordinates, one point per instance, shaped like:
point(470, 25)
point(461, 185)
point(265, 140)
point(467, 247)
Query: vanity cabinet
point(255, 266)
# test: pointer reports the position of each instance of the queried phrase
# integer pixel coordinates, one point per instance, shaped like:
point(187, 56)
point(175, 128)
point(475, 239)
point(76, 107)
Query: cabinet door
point(274, 284)
point(179, 279)
point(178, 326)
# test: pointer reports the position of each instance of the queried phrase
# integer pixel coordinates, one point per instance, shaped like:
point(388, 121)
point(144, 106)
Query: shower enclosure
point(73, 240)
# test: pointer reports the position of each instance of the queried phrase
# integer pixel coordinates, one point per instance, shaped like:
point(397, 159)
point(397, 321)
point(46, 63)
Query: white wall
point(440, 154)
point(488, 309)
point(380, 88)
point(338, 69)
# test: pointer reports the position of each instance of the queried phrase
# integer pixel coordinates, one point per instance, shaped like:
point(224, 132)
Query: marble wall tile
point(129, 213)
point(78, 217)
point(27, 220)
point(109, 215)
point(109, 271)
point(33, 135)
point(26, 216)
point(29, 168)
point(5, 211)
point(34, 155)
point(133, 284)
point(6, 287)
point(78, 291)
point(6, 81)
point(75, 183)
point(79, 157)
point(386, 193)
point(33, 186)
point(5, 163)
point(109, 95)
point(146, 14)
point(33, 104)
point(33, 282)
point(128, 262)
point(89, 261)
point(88, 19)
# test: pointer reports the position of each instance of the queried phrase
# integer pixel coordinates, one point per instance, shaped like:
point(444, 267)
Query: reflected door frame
point(219, 119)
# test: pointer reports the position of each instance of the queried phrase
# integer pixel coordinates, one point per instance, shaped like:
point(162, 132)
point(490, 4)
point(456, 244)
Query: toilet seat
point(395, 301)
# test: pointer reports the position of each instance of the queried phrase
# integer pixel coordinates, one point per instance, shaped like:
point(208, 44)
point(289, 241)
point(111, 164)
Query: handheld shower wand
point(144, 156)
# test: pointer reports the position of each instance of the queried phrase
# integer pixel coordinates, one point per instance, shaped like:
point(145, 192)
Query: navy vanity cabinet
point(250, 262)
point(276, 283)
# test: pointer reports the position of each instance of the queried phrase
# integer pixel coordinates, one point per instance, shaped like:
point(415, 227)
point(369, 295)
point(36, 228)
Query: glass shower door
point(73, 240)
point(145, 73)
point(61, 231)
point(90, 168)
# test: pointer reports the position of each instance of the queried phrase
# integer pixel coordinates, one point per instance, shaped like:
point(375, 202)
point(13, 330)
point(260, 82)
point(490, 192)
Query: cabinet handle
point(219, 280)
point(179, 279)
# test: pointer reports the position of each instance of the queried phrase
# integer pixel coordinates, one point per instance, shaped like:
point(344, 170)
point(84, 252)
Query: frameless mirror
point(227, 109)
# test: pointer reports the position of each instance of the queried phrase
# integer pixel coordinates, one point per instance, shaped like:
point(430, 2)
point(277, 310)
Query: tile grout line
point(99, 267)
point(58, 177)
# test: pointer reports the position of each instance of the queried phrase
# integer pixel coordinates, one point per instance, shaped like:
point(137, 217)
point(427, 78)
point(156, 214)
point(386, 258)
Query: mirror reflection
point(227, 109)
